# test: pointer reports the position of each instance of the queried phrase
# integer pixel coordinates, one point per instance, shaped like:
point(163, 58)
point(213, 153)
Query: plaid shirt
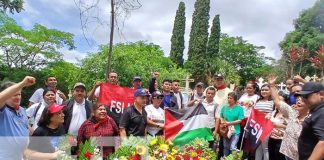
point(106, 129)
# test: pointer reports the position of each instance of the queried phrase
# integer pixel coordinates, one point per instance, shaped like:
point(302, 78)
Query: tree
point(308, 34)
point(30, 48)
point(198, 39)
point(177, 39)
point(11, 5)
point(318, 60)
point(127, 63)
point(118, 9)
point(245, 57)
point(66, 73)
point(213, 43)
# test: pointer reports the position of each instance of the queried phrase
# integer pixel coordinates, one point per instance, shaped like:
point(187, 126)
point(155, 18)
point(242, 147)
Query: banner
point(257, 129)
point(117, 98)
point(184, 125)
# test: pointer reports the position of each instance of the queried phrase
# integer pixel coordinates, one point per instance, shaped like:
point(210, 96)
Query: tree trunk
point(112, 27)
point(300, 67)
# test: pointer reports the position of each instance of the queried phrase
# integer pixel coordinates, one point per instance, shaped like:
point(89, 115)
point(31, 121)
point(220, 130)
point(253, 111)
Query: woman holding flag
point(264, 104)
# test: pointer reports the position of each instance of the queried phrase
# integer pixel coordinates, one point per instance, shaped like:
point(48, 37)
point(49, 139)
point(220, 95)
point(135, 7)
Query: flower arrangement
point(90, 150)
point(234, 156)
point(156, 148)
point(64, 145)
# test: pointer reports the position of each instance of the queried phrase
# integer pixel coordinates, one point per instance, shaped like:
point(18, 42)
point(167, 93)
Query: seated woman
point(45, 137)
point(99, 125)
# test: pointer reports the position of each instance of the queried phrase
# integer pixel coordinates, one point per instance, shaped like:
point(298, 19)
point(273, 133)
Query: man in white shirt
point(197, 95)
point(177, 94)
point(111, 79)
point(50, 83)
point(221, 99)
point(77, 111)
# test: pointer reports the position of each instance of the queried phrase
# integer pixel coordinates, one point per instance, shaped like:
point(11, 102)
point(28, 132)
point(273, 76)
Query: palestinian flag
point(183, 126)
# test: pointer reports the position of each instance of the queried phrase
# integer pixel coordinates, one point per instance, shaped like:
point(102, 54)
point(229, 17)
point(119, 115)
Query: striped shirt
point(264, 106)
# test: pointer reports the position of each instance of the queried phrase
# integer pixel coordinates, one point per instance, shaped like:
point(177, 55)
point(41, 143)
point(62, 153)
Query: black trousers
point(274, 147)
point(220, 149)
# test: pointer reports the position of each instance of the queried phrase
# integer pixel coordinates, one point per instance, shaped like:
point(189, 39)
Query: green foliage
point(234, 156)
point(213, 41)
point(129, 60)
point(67, 74)
point(308, 33)
point(17, 74)
point(198, 39)
point(245, 57)
point(123, 151)
point(11, 5)
point(227, 69)
point(177, 39)
point(88, 147)
point(30, 48)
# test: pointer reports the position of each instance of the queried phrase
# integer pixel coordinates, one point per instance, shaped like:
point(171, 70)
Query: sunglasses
point(158, 98)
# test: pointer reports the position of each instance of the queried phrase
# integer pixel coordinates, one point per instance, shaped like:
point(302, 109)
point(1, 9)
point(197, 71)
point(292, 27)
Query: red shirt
point(106, 129)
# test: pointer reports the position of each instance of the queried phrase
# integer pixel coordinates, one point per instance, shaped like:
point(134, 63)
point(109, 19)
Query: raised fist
point(28, 81)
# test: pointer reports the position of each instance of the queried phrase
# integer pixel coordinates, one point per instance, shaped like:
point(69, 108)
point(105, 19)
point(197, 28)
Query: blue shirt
point(13, 133)
point(167, 100)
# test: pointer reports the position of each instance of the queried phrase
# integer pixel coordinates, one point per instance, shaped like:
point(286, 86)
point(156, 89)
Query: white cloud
point(72, 56)
point(260, 22)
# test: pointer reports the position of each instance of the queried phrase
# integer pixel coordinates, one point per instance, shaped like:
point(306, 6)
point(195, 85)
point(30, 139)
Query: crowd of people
point(298, 117)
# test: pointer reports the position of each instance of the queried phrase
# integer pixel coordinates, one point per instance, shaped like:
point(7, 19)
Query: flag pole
point(245, 128)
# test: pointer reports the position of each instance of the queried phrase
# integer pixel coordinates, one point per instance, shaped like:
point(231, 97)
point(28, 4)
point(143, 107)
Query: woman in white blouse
point(295, 116)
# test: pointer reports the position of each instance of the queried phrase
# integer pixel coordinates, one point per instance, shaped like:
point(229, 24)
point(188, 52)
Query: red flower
point(135, 157)
point(186, 157)
point(178, 158)
point(88, 155)
point(294, 54)
point(199, 151)
point(195, 158)
point(189, 148)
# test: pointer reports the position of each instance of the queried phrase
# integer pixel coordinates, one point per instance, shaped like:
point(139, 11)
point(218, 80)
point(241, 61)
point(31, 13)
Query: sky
point(260, 22)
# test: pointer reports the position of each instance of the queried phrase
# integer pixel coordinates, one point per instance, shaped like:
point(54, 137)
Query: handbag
point(222, 129)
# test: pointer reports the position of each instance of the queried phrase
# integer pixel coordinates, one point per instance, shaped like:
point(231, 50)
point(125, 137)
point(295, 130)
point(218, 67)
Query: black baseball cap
point(218, 76)
point(200, 84)
point(157, 94)
point(309, 88)
point(137, 78)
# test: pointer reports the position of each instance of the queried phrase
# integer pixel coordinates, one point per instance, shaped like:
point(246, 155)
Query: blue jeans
point(230, 144)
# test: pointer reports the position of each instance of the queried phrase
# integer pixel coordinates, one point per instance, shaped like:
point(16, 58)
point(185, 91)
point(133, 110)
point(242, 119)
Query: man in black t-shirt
point(311, 139)
point(134, 119)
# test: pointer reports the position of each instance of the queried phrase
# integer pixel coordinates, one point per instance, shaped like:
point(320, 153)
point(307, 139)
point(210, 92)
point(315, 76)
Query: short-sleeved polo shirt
point(233, 114)
point(312, 132)
point(13, 132)
point(133, 121)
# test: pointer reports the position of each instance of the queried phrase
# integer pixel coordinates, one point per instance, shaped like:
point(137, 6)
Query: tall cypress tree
point(213, 41)
point(198, 39)
point(177, 39)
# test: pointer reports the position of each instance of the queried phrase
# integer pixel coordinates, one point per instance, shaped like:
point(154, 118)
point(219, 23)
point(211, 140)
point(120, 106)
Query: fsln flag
point(257, 129)
point(117, 99)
